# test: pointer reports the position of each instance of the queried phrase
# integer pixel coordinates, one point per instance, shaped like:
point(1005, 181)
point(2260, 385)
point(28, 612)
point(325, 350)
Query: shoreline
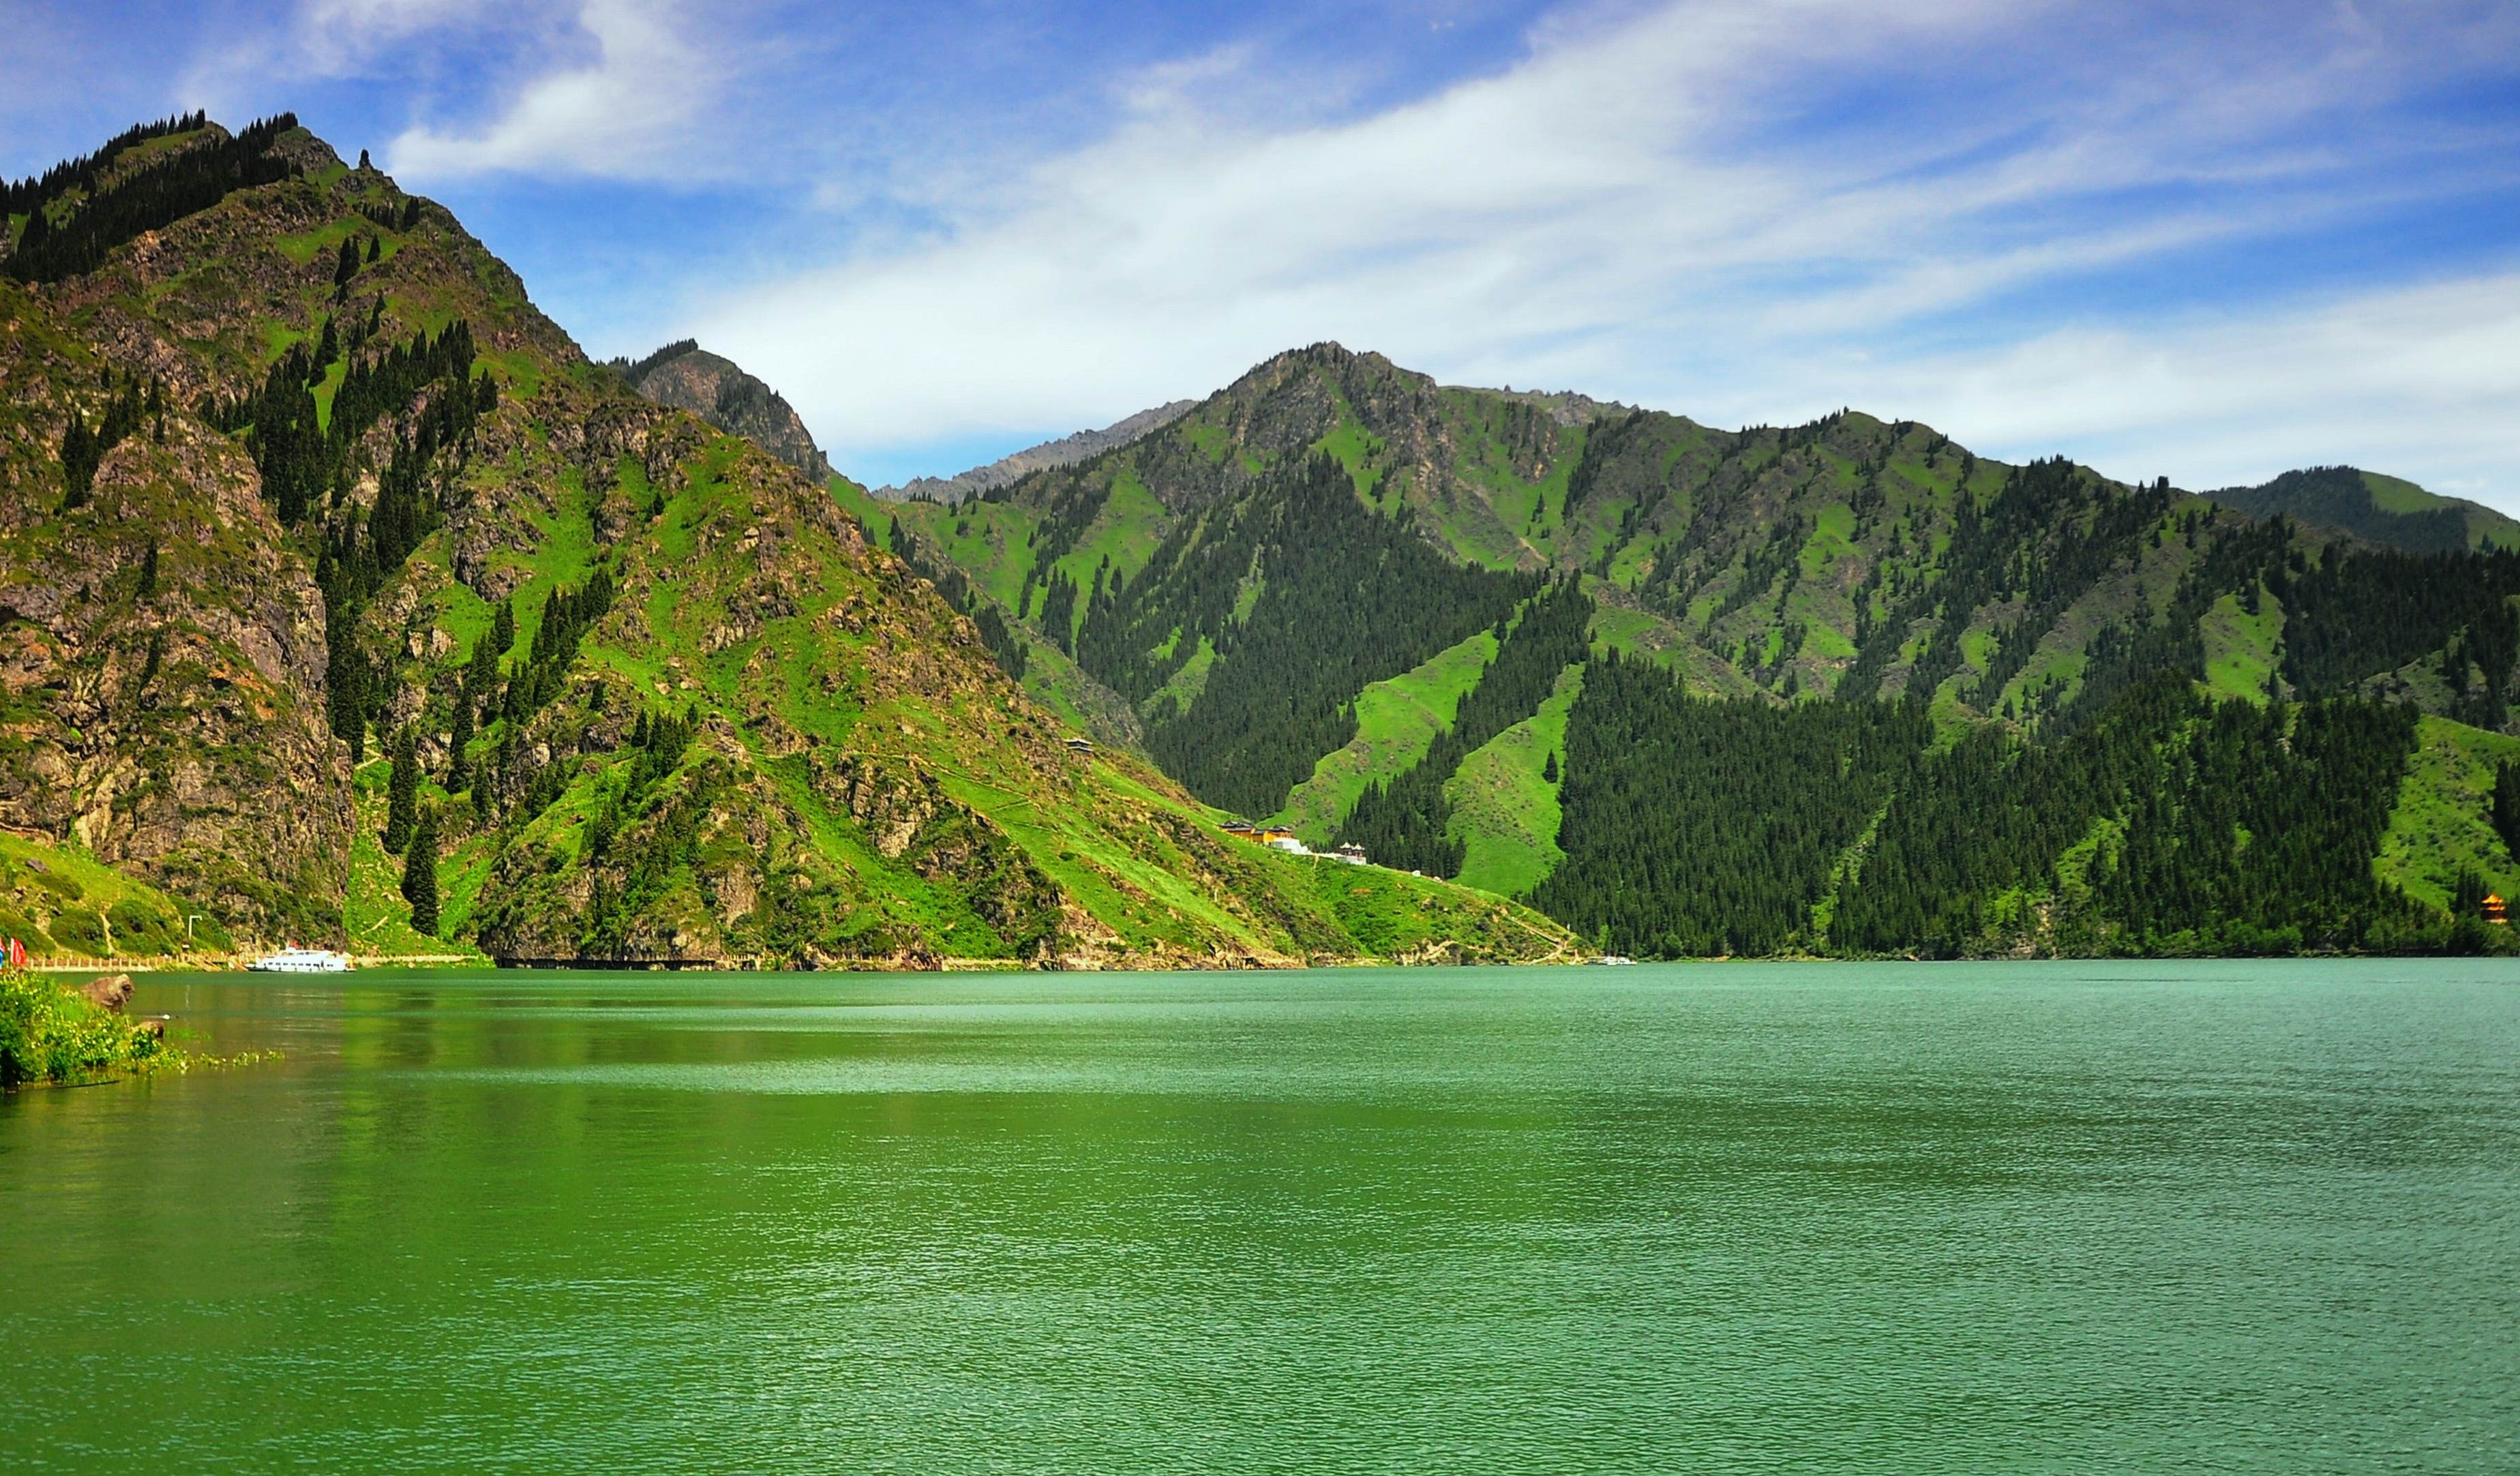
point(235, 964)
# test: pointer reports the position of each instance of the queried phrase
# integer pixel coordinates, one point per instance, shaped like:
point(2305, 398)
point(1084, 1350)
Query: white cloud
point(2418, 381)
point(1534, 204)
point(625, 112)
point(245, 55)
point(342, 38)
point(1617, 213)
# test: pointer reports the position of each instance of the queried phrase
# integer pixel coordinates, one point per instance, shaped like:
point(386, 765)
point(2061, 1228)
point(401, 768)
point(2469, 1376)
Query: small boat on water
point(1614, 960)
point(301, 961)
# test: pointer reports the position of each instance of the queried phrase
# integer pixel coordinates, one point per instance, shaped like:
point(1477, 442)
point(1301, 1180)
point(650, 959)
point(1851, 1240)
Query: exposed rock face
point(161, 653)
point(1066, 451)
point(688, 377)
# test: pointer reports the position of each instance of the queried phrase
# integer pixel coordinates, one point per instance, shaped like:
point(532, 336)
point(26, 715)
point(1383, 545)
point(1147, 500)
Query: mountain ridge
point(603, 681)
point(531, 664)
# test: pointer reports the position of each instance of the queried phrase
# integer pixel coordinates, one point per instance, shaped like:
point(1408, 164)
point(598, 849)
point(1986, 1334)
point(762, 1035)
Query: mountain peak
point(714, 388)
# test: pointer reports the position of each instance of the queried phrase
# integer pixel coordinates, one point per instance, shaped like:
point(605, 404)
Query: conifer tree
point(148, 570)
point(1548, 770)
point(419, 874)
point(402, 801)
point(347, 266)
point(374, 248)
point(2506, 805)
point(79, 456)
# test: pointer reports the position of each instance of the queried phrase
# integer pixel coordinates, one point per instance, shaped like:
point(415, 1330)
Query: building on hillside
point(2494, 908)
point(1238, 827)
point(1080, 745)
point(1286, 841)
point(1351, 853)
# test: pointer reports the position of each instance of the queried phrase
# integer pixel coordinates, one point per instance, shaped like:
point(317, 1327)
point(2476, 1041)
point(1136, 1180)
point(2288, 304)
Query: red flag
point(16, 954)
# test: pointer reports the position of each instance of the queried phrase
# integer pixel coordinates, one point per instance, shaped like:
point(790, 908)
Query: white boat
point(301, 961)
point(1614, 960)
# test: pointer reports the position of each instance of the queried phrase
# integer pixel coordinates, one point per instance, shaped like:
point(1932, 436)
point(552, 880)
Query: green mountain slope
point(1206, 580)
point(385, 614)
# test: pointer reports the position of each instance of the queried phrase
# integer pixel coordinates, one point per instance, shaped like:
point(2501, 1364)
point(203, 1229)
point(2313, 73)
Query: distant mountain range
point(1066, 451)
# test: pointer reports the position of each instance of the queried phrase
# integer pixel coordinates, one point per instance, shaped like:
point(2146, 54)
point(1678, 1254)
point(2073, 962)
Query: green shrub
point(80, 931)
point(49, 1034)
point(17, 925)
point(142, 929)
point(65, 887)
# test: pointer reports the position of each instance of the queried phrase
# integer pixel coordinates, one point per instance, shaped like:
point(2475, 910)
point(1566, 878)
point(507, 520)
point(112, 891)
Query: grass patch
point(1396, 722)
point(2241, 648)
point(2440, 825)
point(1504, 813)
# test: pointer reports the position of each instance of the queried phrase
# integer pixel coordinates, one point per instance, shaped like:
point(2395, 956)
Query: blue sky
point(2209, 246)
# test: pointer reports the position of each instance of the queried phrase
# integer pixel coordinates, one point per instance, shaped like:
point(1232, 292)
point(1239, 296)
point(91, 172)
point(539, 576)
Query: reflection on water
point(2243, 1217)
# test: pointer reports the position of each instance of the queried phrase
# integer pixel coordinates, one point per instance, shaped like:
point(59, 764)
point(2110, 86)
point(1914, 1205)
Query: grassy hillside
point(1505, 802)
point(66, 906)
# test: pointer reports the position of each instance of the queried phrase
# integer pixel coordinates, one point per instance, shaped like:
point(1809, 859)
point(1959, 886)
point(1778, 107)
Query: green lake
point(1981, 1217)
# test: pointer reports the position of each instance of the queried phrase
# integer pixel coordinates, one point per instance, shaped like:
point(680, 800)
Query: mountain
point(690, 377)
point(1066, 451)
point(2381, 508)
point(1770, 690)
point(342, 597)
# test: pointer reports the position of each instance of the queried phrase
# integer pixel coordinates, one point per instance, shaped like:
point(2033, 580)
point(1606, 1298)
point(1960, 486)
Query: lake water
point(2070, 1217)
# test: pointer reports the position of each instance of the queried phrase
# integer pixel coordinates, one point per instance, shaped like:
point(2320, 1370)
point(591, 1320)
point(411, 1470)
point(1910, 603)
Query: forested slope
point(1852, 587)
